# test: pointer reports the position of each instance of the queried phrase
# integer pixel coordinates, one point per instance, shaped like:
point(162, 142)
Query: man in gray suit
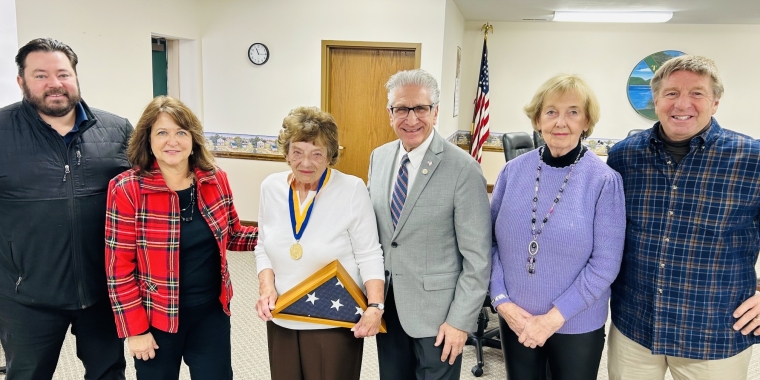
point(434, 223)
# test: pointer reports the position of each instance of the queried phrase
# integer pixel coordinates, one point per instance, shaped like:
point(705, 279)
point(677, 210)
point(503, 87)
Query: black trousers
point(570, 356)
point(32, 338)
point(402, 357)
point(203, 341)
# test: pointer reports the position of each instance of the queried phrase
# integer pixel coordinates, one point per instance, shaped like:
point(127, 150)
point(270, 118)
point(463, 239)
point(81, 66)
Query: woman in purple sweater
point(558, 217)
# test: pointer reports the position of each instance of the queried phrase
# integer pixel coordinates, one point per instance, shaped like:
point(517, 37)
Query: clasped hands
point(532, 331)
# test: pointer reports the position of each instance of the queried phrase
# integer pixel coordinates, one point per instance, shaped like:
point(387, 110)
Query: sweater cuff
point(570, 303)
point(499, 299)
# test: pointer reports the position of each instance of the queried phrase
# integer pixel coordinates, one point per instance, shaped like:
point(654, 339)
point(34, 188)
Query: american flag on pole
point(480, 130)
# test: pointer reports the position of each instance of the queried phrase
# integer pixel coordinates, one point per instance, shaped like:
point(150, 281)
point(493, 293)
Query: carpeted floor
point(250, 358)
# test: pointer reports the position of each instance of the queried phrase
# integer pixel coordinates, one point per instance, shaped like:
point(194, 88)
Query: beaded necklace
point(189, 206)
point(533, 245)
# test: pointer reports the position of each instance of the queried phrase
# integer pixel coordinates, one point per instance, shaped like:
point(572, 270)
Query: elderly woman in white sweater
point(308, 217)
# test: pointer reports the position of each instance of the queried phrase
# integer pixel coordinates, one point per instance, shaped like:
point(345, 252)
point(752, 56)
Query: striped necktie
point(400, 190)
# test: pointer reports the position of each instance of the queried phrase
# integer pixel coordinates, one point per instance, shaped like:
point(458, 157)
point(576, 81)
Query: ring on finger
point(757, 317)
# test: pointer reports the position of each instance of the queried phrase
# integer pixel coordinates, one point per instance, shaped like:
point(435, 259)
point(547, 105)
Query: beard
point(57, 108)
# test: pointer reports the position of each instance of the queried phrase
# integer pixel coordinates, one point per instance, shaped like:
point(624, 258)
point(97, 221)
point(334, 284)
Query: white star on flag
point(312, 298)
point(359, 311)
point(336, 305)
point(340, 283)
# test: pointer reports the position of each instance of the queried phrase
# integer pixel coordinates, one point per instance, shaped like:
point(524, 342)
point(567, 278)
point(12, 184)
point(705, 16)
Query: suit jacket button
point(394, 244)
point(387, 273)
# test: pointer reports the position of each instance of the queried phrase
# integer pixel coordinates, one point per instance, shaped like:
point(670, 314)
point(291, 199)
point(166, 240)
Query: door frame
point(328, 45)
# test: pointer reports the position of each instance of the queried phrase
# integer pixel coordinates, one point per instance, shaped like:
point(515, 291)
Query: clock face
point(258, 53)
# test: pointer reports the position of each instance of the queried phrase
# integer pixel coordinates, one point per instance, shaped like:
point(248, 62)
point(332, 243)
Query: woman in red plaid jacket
point(169, 224)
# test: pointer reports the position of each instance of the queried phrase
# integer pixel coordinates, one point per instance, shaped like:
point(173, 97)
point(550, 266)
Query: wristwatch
point(379, 306)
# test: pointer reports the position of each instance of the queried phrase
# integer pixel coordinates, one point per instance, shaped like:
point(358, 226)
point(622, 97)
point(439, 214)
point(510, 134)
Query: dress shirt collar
point(417, 154)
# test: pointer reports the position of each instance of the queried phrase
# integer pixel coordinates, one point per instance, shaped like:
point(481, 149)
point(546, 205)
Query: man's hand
point(369, 324)
point(539, 328)
point(748, 313)
point(514, 315)
point(267, 295)
point(453, 339)
point(142, 347)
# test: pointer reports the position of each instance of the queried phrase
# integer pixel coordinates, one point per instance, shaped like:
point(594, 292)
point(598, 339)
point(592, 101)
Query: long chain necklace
point(533, 245)
point(190, 206)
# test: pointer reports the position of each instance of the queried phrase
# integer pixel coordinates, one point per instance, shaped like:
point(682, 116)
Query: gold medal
point(296, 251)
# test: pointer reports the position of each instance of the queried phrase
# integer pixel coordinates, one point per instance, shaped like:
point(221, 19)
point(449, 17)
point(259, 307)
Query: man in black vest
point(56, 158)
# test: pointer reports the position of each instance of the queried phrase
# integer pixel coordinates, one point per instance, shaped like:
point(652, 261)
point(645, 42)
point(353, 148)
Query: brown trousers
point(328, 354)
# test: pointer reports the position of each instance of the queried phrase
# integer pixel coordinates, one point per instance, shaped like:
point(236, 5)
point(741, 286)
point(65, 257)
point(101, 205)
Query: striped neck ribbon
point(299, 218)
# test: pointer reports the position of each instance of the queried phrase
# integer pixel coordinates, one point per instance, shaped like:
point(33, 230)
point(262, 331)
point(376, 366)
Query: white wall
point(244, 98)
point(453, 34)
point(524, 55)
point(9, 91)
point(112, 40)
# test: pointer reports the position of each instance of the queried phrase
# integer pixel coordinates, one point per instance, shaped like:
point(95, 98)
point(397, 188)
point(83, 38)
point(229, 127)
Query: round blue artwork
point(639, 92)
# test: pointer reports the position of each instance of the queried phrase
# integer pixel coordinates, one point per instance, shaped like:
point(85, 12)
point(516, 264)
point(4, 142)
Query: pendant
point(296, 251)
point(531, 266)
point(532, 251)
point(533, 248)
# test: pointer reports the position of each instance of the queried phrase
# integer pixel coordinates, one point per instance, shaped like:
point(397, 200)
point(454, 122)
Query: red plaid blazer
point(142, 246)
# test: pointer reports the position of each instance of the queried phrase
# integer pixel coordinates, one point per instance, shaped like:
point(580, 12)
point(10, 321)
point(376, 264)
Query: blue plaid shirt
point(692, 239)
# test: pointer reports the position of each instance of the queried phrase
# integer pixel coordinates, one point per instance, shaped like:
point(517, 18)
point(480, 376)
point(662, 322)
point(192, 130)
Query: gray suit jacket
point(439, 255)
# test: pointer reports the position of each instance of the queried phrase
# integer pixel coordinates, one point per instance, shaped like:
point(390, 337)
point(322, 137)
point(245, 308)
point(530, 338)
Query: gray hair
point(416, 77)
point(692, 63)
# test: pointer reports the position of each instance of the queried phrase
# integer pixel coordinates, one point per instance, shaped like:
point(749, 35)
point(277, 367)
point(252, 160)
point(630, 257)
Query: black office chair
point(635, 131)
point(482, 337)
point(515, 144)
point(538, 140)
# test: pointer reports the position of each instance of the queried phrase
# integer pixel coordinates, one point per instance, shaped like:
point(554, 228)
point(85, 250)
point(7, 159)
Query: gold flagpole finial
point(487, 27)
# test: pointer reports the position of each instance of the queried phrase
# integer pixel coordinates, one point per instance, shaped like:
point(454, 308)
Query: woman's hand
point(515, 316)
point(369, 324)
point(539, 328)
point(142, 347)
point(267, 295)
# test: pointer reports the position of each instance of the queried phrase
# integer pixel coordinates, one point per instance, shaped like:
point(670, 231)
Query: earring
point(191, 152)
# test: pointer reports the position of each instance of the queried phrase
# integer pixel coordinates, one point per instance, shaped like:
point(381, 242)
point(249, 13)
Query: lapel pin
point(430, 163)
point(424, 171)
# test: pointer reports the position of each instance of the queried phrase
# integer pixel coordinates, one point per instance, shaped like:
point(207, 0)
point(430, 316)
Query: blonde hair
point(563, 84)
point(692, 63)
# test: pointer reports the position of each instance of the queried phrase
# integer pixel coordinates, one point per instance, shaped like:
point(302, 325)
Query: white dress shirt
point(415, 160)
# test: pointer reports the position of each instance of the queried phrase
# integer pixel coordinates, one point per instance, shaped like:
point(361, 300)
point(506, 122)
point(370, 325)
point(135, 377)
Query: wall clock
point(258, 53)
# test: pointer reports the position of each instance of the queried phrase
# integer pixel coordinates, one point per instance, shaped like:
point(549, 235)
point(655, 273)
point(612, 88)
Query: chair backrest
point(515, 144)
point(537, 140)
point(635, 131)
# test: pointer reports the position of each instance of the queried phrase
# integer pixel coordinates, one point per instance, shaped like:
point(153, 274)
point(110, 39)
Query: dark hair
point(139, 153)
point(48, 45)
point(309, 124)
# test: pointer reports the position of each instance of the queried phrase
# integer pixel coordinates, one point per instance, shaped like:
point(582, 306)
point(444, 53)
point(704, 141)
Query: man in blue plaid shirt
point(685, 297)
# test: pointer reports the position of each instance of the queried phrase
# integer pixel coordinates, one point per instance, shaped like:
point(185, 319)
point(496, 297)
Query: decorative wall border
point(243, 146)
point(600, 146)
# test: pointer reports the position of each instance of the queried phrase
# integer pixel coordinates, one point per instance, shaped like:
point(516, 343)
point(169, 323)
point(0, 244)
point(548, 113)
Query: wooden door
point(353, 91)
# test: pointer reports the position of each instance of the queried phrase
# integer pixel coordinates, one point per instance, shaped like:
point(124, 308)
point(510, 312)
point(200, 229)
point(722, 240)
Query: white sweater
point(342, 226)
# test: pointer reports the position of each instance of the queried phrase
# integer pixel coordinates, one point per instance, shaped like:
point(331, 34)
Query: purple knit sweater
point(580, 248)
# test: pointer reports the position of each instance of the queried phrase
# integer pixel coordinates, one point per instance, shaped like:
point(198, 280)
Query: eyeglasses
point(315, 156)
point(419, 111)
